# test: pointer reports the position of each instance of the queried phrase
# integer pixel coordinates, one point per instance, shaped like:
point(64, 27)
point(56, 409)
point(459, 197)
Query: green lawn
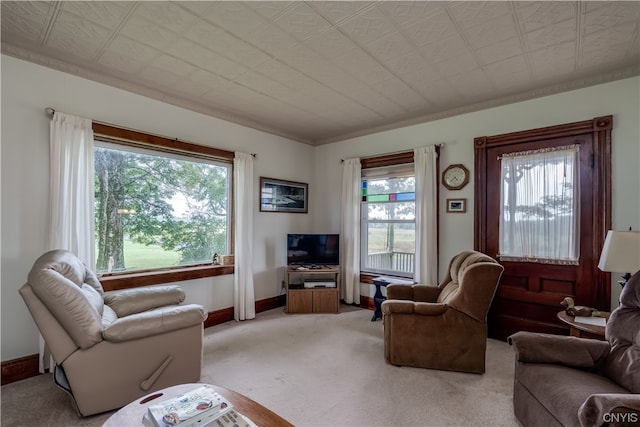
point(138, 256)
point(404, 240)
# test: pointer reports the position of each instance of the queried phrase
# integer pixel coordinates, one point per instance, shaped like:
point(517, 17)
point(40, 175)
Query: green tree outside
point(136, 200)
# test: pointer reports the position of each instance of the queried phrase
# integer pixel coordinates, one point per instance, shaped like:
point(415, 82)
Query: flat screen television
point(313, 249)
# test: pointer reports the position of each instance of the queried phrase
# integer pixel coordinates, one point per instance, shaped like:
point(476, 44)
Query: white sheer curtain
point(350, 231)
point(71, 194)
point(243, 295)
point(72, 187)
point(539, 222)
point(426, 266)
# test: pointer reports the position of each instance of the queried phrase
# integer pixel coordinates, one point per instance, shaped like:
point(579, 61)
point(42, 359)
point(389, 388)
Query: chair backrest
point(471, 283)
point(623, 333)
point(71, 293)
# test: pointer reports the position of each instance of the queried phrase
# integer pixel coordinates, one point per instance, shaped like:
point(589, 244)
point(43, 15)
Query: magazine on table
point(190, 408)
point(228, 418)
point(200, 407)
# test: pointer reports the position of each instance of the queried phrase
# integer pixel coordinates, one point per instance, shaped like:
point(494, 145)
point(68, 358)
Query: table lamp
point(621, 253)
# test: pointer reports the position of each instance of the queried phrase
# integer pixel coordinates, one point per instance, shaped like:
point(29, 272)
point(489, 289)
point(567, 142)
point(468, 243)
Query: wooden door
point(529, 295)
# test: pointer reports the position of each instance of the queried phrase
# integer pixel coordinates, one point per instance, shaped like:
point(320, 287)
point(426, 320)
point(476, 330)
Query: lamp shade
point(621, 252)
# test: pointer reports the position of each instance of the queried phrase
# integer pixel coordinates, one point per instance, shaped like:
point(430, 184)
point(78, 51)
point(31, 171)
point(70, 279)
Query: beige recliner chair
point(444, 326)
point(112, 348)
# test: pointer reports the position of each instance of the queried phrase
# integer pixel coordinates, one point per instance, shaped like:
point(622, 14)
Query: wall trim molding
point(19, 369)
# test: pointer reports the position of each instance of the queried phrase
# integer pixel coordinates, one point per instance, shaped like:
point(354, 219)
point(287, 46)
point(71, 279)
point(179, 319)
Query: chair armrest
point(574, 352)
point(610, 409)
point(400, 292)
point(154, 322)
point(423, 293)
point(409, 307)
point(426, 293)
point(129, 301)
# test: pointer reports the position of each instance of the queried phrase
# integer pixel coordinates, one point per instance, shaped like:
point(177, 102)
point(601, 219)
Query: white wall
point(27, 89)
point(620, 98)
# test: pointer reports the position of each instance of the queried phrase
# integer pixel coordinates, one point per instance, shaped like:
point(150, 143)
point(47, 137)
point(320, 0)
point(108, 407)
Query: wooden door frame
point(600, 128)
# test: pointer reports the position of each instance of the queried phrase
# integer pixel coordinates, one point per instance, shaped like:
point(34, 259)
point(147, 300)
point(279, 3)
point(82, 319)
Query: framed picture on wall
point(277, 195)
point(457, 205)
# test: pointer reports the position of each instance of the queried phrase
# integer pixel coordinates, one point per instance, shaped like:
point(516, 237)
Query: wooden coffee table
point(131, 415)
point(582, 330)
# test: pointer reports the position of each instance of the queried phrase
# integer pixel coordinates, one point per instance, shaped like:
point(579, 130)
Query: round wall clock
point(455, 177)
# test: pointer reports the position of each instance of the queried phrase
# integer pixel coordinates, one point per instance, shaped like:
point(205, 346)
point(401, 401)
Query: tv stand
point(302, 267)
point(303, 296)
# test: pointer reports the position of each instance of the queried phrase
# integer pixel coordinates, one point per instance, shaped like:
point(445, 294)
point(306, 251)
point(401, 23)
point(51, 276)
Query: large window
point(160, 204)
point(388, 222)
point(155, 210)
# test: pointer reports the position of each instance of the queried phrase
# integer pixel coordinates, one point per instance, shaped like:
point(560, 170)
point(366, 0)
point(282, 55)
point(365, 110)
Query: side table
point(583, 330)
point(379, 282)
point(378, 298)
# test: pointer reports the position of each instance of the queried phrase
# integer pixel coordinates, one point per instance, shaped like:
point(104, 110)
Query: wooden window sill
point(368, 277)
point(157, 277)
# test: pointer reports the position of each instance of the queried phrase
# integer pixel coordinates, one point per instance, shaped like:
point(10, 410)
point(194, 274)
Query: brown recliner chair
point(570, 381)
point(111, 348)
point(444, 326)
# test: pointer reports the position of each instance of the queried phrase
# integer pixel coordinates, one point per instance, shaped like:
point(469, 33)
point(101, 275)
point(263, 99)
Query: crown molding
point(593, 80)
point(45, 59)
point(92, 74)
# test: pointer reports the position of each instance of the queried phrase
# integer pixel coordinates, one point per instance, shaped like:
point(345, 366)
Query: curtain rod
point(397, 152)
point(51, 111)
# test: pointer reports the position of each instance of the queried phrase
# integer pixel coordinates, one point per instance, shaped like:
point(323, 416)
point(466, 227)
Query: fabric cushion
point(562, 390)
point(457, 269)
point(623, 332)
point(599, 407)
point(532, 347)
point(464, 259)
point(448, 292)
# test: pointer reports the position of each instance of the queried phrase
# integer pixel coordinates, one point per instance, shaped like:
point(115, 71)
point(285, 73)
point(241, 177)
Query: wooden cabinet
point(313, 300)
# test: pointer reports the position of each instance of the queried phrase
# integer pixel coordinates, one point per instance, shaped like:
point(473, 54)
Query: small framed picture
point(277, 195)
point(457, 205)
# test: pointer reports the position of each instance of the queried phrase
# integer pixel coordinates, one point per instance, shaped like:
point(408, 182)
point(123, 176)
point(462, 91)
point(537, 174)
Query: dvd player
point(320, 284)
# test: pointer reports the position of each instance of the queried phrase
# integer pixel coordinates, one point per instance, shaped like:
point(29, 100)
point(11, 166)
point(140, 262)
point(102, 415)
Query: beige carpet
point(314, 370)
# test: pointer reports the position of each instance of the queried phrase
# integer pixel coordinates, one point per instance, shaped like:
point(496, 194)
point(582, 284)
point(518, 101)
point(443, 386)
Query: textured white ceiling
point(322, 71)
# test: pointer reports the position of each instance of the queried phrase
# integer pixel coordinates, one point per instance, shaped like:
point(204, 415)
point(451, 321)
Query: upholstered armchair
point(570, 381)
point(444, 326)
point(111, 348)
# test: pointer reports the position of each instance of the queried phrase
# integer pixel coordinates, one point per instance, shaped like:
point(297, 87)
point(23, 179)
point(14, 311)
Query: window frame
point(394, 171)
point(392, 159)
point(133, 138)
point(573, 257)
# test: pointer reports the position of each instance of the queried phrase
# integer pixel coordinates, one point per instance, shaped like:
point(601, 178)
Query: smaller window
point(388, 224)
point(539, 221)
